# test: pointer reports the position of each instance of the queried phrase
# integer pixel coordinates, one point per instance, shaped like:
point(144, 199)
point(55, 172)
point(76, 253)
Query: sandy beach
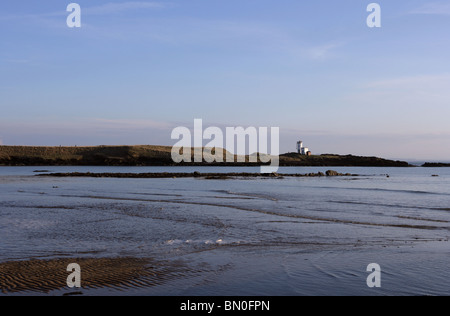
point(50, 275)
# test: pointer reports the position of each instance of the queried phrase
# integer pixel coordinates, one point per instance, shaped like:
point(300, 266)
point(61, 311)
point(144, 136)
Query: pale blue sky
point(137, 69)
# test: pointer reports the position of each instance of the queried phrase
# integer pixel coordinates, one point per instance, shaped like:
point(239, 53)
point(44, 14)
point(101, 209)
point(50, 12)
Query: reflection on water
point(292, 236)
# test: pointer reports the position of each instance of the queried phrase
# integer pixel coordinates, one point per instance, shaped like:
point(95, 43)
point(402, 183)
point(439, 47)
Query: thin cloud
point(131, 124)
point(435, 81)
point(86, 131)
point(105, 9)
point(17, 61)
point(323, 51)
point(435, 8)
point(110, 8)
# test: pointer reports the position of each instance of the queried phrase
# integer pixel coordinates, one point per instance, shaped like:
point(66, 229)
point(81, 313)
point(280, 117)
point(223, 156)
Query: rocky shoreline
point(208, 176)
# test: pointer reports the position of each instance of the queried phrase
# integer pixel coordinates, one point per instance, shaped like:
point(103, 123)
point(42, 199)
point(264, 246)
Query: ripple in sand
point(120, 273)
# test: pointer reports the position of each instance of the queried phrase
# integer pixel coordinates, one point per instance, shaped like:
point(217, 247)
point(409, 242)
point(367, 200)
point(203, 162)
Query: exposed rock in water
point(332, 173)
point(209, 176)
point(218, 177)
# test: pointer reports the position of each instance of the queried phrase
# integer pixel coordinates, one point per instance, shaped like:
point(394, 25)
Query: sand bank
point(120, 273)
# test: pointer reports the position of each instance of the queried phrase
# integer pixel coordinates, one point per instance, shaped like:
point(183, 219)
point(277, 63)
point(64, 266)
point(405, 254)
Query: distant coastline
point(147, 155)
point(435, 165)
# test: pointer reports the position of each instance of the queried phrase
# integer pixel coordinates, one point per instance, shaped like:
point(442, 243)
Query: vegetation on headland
point(147, 155)
point(330, 160)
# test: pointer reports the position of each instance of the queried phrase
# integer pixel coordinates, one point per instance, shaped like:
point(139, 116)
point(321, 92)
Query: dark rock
point(221, 176)
point(332, 173)
point(217, 177)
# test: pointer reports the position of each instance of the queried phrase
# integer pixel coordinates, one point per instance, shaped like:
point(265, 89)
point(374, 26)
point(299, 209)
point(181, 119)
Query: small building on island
point(304, 151)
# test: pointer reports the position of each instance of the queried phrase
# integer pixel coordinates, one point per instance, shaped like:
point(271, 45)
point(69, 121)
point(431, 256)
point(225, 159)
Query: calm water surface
point(291, 236)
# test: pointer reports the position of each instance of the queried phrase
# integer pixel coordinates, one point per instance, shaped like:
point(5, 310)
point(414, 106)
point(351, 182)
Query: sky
point(135, 70)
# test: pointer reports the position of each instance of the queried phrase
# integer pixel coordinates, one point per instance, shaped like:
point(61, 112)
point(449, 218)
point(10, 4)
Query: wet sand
point(119, 273)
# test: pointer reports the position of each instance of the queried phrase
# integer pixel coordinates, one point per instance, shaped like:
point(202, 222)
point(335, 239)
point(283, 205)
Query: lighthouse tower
point(299, 147)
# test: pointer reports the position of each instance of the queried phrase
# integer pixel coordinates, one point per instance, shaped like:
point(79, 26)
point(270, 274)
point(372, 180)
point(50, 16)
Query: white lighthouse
point(299, 147)
point(302, 150)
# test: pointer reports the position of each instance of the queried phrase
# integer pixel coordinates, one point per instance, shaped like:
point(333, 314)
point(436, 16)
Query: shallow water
point(292, 236)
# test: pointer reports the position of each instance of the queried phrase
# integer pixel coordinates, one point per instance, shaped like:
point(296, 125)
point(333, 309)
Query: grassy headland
point(147, 155)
